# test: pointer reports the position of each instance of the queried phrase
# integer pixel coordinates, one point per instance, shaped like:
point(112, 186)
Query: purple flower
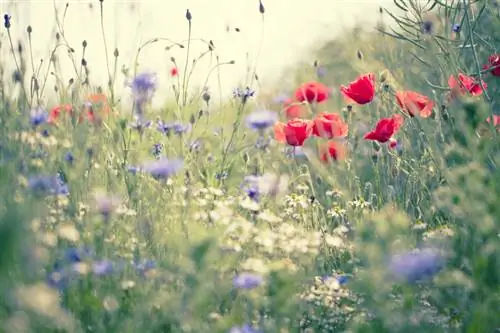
point(416, 265)
point(143, 87)
point(163, 168)
point(262, 119)
point(69, 157)
point(156, 150)
point(247, 281)
point(244, 329)
point(102, 267)
point(142, 267)
point(243, 94)
point(321, 71)
point(51, 185)
point(38, 116)
point(177, 127)
point(456, 28)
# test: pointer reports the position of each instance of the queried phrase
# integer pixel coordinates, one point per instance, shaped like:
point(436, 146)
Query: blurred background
point(290, 31)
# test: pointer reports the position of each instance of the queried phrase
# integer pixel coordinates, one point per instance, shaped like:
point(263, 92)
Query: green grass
point(200, 229)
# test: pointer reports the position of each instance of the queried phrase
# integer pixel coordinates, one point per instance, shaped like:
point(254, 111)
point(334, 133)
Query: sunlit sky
point(287, 33)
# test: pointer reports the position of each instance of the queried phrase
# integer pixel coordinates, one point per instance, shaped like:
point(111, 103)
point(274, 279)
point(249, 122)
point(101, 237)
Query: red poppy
point(96, 103)
point(385, 129)
point(279, 132)
point(293, 109)
point(174, 71)
point(56, 112)
point(496, 120)
point(393, 143)
point(295, 132)
point(413, 103)
point(332, 150)
point(329, 125)
point(494, 64)
point(312, 92)
point(362, 90)
point(465, 83)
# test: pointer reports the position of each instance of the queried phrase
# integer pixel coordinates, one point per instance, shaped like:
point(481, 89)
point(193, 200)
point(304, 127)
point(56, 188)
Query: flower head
point(329, 125)
point(312, 92)
point(38, 116)
point(51, 185)
point(493, 64)
point(466, 84)
point(247, 281)
point(361, 90)
point(143, 87)
point(295, 132)
point(293, 109)
point(385, 129)
point(262, 119)
point(55, 113)
point(416, 265)
point(163, 168)
point(413, 103)
point(332, 150)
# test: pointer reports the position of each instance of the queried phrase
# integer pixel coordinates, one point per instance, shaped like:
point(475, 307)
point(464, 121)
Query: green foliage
point(162, 255)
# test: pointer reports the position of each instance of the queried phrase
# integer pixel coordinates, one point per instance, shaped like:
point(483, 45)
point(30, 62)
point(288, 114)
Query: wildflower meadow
point(362, 194)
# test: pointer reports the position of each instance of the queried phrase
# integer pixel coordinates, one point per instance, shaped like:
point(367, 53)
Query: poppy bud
point(116, 53)
point(84, 43)
point(29, 29)
point(360, 55)
point(188, 15)
point(261, 8)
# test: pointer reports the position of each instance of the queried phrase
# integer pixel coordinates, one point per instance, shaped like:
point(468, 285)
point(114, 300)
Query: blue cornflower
point(262, 119)
point(103, 267)
point(247, 281)
point(427, 26)
point(38, 116)
point(244, 329)
point(142, 267)
point(456, 28)
point(156, 150)
point(140, 125)
point(69, 157)
point(74, 254)
point(163, 168)
point(133, 169)
point(321, 71)
point(52, 185)
point(45, 133)
point(243, 94)
point(177, 127)
point(143, 87)
point(416, 265)
point(251, 187)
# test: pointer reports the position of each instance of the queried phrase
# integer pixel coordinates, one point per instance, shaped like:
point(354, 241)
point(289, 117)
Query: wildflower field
point(362, 195)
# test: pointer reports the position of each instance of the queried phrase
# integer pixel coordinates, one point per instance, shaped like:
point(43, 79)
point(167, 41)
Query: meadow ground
point(360, 195)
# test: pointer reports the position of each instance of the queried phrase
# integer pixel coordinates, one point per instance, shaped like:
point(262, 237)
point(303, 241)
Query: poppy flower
point(362, 90)
point(413, 103)
point(329, 125)
point(56, 112)
point(494, 63)
point(96, 102)
point(465, 84)
point(293, 109)
point(174, 71)
point(332, 150)
point(385, 129)
point(496, 120)
point(295, 132)
point(312, 92)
